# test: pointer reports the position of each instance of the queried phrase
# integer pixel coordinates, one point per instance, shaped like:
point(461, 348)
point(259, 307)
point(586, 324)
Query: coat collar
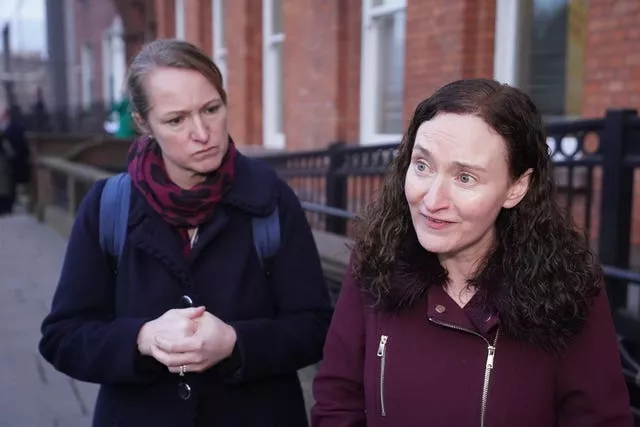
point(254, 192)
point(417, 277)
point(255, 186)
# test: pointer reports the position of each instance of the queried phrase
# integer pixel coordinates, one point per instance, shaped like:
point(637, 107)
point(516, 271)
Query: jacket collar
point(254, 188)
point(442, 309)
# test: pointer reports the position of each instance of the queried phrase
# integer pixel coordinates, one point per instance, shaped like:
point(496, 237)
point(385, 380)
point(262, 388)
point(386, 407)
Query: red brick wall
point(165, 18)
point(92, 18)
point(350, 37)
point(244, 65)
point(446, 40)
point(322, 66)
point(612, 69)
point(197, 27)
point(317, 87)
point(139, 22)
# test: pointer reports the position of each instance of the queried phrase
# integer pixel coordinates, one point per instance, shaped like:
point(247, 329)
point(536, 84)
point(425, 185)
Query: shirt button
point(184, 391)
point(440, 308)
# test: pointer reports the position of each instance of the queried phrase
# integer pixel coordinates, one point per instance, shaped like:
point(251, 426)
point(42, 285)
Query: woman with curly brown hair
point(470, 299)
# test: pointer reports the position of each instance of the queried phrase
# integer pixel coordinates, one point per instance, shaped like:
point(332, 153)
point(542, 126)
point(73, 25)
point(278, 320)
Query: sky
point(28, 24)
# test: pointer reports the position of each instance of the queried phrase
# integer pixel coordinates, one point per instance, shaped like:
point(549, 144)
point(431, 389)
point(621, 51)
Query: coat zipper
point(382, 354)
point(491, 353)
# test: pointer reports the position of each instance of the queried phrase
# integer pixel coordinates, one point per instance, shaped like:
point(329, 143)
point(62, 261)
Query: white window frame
point(87, 70)
point(219, 50)
point(508, 38)
point(179, 15)
point(114, 62)
point(271, 137)
point(508, 64)
point(369, 72)
point(107, 65)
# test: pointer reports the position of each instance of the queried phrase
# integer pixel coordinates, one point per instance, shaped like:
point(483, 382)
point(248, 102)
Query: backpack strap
point(114, 214)
point(266, 235)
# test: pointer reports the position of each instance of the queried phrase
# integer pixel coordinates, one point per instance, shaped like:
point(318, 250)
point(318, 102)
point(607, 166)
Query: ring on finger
point(183, 368)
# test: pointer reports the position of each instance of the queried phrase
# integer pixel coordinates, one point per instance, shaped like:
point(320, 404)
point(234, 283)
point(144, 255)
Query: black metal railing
point(71, 118)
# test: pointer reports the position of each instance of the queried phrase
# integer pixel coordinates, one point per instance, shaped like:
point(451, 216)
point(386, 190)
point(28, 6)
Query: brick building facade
point(302, 73)
point(89, 44)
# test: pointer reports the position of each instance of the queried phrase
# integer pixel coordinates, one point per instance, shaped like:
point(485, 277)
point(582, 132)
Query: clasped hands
point(189, 337)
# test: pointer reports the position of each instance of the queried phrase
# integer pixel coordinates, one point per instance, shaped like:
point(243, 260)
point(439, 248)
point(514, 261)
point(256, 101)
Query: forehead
point(461, 138)
point(178, 89)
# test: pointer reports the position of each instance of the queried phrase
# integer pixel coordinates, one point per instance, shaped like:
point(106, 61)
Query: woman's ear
point(140, 123)
point(518, 190)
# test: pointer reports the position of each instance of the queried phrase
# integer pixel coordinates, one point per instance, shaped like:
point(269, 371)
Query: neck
point(462, 266)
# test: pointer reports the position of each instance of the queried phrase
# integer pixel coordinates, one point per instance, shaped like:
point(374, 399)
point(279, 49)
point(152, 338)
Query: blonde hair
point(171, 53)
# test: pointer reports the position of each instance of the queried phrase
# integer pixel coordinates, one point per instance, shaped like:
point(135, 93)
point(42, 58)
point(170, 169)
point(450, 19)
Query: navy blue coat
point(281, 321)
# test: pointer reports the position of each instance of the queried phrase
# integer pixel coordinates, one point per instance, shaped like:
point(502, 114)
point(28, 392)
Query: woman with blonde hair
point(203, 312)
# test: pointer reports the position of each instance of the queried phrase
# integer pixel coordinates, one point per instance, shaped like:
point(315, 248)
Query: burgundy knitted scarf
point(179, 207)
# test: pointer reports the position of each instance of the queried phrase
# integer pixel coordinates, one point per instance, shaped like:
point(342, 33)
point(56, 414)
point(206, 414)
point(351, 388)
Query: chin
point(207, 166)
point(435, 244)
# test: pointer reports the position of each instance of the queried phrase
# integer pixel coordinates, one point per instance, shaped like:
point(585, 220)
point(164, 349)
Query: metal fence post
point(614, 239)
point(336, 188)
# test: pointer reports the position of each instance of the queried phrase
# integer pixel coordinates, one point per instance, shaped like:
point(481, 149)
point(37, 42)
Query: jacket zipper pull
point(382, 348)
point(490, 355)
point(382, 345)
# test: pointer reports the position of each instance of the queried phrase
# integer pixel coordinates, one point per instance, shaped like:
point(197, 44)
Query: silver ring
point(182, 370)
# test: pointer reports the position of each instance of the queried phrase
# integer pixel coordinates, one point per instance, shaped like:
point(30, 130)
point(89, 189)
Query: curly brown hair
point(540, 276)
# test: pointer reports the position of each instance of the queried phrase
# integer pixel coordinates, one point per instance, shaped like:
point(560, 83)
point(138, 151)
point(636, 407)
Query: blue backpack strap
point(266, 235)
point(114, 214)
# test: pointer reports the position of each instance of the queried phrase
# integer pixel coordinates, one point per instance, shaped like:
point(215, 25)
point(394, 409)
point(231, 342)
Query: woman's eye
point(211, 110)
point(421, 166)
point(175, 121)
point(465, 178)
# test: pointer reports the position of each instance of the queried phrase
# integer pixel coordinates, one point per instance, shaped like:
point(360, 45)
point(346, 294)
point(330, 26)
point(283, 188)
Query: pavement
point(33, 394)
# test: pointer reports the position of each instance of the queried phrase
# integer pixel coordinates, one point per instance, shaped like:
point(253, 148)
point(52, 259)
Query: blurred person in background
point(15, 157)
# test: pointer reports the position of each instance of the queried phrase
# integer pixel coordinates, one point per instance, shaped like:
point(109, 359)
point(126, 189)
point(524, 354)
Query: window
point(86, 67)
point(219, 38)
point(179, 12)
point(540, 47)
point(114, 63)
point(107, 76)
point(272, 84)
point(382, 71)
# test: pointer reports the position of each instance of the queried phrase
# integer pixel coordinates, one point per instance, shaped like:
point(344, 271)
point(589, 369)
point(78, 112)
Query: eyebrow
point(173, 112)
point(460, 165)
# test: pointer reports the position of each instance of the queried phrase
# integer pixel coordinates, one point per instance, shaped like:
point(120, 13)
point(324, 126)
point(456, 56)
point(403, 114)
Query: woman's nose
point(437, 196)
point(200, 132)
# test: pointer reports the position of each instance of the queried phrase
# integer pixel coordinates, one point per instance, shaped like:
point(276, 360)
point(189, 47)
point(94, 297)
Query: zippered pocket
point(382, 354)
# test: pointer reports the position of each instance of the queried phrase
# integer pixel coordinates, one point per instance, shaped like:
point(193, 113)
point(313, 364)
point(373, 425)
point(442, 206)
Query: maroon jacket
point(439, 365)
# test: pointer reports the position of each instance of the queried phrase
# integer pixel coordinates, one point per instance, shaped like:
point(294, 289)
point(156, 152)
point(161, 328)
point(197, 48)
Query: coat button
point(186, 301)
point(184, 391)
point(440, 308)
